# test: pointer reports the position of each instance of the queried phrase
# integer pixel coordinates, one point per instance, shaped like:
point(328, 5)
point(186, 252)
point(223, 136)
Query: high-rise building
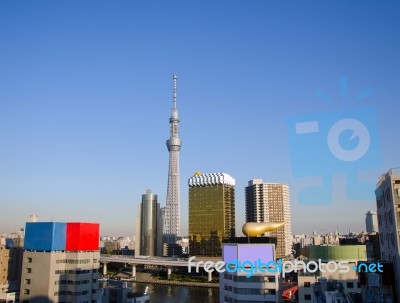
point(149, 234)
point(172, 224)
point(270, 202)
point(388, 207)
point(211, 212)
point(371, 221)
point(60, 262)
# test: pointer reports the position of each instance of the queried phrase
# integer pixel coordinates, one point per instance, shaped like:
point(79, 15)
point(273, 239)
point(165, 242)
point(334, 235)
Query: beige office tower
point(270, 202)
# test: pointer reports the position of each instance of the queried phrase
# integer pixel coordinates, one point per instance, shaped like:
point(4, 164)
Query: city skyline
point(85, 96)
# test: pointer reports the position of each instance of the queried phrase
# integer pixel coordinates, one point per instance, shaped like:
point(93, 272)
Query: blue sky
point(86, 93)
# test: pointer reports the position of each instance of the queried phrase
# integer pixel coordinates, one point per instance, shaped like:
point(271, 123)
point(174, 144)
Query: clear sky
point(86, 94)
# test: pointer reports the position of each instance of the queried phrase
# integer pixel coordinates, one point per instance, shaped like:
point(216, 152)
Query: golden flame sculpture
point(252, 229)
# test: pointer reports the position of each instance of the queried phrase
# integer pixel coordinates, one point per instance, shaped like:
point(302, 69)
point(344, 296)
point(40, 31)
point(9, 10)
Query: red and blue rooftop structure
point(60, 236)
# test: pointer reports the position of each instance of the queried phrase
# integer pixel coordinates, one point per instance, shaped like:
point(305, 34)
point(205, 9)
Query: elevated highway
point(169, 263)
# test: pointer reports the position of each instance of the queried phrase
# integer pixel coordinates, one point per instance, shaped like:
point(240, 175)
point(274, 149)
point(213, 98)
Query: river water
point(161, 293)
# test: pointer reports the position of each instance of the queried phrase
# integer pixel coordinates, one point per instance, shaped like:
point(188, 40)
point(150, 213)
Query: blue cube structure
point(45, 236)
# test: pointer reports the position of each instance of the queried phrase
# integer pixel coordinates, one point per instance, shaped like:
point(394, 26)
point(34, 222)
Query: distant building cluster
point(302, 241)
point(15, 239)
point(117, 245)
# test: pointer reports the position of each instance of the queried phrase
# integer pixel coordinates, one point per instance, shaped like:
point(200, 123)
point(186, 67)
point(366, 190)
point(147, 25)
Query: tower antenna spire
point(174, 94)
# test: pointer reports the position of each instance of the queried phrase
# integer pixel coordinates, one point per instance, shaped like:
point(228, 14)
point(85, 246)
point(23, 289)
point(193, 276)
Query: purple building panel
point(248, 252)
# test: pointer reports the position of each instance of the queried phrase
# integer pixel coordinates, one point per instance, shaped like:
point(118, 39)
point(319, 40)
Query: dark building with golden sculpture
point(211, 213)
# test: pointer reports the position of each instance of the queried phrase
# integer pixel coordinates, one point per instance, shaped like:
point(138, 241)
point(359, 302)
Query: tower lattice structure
point(172, 224)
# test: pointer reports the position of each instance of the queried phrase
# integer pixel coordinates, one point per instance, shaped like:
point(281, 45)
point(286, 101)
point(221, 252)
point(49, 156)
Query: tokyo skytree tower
point(172, 223)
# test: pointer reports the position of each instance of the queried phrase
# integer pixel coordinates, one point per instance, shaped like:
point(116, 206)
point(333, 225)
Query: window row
point(73, 261)
point(71, 293)
point(71, 282)
point(250, 291)
point(260, 279)
point(231, 300)
point(71, 271)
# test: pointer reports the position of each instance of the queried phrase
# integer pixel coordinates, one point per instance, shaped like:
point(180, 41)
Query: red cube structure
point(82, 236)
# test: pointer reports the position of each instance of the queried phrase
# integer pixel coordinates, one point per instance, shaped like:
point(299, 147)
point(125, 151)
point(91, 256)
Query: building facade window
point(350, 284)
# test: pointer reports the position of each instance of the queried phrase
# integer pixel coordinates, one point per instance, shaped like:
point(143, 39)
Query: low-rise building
point(238, 285)
point(119, 292)
point(319, 284)
point(377, 286)
point(10, 273)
